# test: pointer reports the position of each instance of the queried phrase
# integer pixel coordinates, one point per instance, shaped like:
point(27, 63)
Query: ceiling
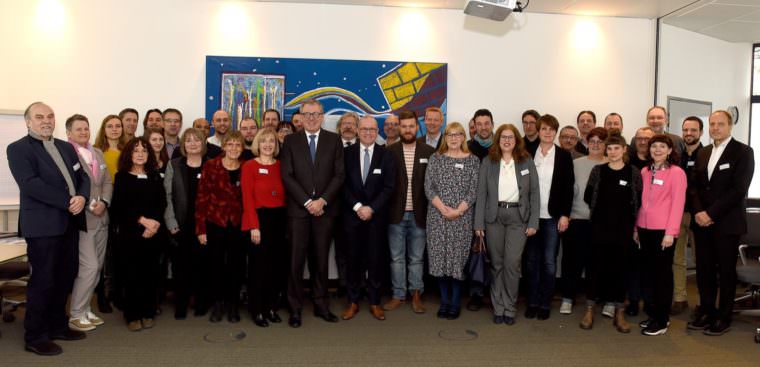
point(730, 20)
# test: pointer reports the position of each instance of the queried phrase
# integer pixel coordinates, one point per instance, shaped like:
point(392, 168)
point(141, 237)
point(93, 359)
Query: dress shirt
point(508, 189)
point(348, 143)
point(316, 145)
point(170, 148)
point(214, 140)
point(715, 157)
point(432, 141)
point(545, 168)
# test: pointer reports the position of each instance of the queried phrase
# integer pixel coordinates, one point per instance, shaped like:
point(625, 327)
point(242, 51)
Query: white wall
point(97, 57)
point(699, 67)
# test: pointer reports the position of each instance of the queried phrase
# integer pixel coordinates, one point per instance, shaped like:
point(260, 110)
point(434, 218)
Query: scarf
point(88, 156)
point(485, 143)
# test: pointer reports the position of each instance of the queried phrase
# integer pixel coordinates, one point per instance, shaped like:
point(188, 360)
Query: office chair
point(748, 268)
point(12, 273)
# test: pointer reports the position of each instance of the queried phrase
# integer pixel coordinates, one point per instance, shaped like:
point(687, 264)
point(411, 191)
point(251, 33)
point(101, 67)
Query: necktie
point(365, 171)
point(313, 147)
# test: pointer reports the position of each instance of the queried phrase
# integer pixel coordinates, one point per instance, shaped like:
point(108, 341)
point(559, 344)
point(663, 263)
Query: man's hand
point(364, 213)
point(255, 236)
point(76, 204)
point(99, 208)
point(703, 219)
point(316, 207)
point(563, 223)
point(202, 239)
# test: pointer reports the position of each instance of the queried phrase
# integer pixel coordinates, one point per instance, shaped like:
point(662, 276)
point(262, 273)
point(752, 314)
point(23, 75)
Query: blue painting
point(249, 95)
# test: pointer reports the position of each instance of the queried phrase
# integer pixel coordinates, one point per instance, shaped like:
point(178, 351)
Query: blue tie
point(365, 171)
point(313, 147)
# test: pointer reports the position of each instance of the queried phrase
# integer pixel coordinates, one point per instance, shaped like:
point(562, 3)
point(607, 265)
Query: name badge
point(423, 160)
point(623, 182)
point(263, 171)
point(657, 181)
point(77, 166)
point(237, 183)
point(724, 166)
point(103, 166)
point(690, 163)
point(198, 176)
point(377, 171)
point(142, 176)
point(459, 165)
point(525, 172)
point(162, 174)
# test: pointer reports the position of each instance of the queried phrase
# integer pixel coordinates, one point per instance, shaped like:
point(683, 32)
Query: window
point(754, 120)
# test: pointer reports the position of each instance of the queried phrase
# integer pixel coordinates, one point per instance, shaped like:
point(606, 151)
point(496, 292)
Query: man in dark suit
point(407, 215)
point(172, 127)
point(370, 180)
point(433, 124)
point(717, 190)
point(312, 173)
point(53, 191)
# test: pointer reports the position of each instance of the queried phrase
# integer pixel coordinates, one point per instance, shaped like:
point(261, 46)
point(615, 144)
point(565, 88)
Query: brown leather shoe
point(620, 324)
point(587, 322)
point(350, 311)
point(417, 305)
point(393, 304)
point(377, 312)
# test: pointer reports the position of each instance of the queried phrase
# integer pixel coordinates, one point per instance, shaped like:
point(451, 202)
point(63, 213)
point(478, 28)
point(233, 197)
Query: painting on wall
point(246, 86)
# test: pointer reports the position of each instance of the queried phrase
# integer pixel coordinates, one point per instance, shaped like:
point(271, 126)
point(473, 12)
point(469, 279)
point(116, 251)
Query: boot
point(104, 305)
point(417, 305)
point(620, 324)
point(587, 322)
point(216, 312)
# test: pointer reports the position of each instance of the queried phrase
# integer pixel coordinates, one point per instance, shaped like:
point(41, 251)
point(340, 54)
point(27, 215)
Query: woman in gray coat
point(92, 244)
point(506, 213)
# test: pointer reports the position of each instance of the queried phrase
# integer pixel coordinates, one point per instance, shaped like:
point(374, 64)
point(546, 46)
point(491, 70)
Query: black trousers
point(716, 259)
point(190, 270)
point(267, 261)
point(55, 264)
point(226, 250)
point(576, 255)
point(310, 238)
point(608, 271)
point(140, 264)
point(656, 274)
point(341, 249)
point(366, 245)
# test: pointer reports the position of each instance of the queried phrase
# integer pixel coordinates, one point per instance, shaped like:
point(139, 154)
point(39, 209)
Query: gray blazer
point(487, 204)
point(98, 191)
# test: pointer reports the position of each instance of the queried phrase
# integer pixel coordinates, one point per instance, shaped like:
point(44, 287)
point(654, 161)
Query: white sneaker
point(566, 308)
point(94, 319)
point(81, 324)
point(609, 310)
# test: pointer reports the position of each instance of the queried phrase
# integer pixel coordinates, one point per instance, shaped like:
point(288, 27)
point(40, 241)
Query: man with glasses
point(390, 127)
point(312, 173)
point(529, 119)
point(433, 124)
point(249, 128)
point(172, 127)
point(568, 139)
point(657, 120)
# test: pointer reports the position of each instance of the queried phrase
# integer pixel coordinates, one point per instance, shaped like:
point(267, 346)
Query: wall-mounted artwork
point(246, 86)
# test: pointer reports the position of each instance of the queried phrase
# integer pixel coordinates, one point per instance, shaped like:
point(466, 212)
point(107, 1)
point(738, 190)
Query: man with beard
point(248, 128)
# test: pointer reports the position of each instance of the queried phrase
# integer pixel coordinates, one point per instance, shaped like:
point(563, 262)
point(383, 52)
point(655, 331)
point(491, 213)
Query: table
point(12, 251)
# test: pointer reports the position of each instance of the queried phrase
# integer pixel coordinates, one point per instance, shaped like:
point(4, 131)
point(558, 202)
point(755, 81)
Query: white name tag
point(162, 174)
point(77, 167)
point(263, 171)
point(690, 163)
point(103, 166)
point(623, 182)
point(237, 183)
point(142, 176)
point(198, 176)
point(423, 160)
point(525, 172)
point(724, 166)
point(377, 171)
point(657, 181)
point(459, 165)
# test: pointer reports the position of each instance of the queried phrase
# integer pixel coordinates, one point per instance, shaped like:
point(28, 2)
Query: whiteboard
point(12, 128)
point(681, 108)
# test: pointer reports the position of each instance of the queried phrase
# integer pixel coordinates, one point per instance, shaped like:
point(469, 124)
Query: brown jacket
point(422, 153)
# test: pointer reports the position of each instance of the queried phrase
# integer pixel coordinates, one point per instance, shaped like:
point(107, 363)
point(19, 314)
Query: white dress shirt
point(717, 152)
point(370, 149)
point(545, 168)
point(214, 140)
point(508, 189)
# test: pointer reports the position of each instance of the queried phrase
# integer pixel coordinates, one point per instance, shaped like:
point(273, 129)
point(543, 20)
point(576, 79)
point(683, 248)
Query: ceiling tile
point(735, 32)
point(705, 16)
point(751, 17)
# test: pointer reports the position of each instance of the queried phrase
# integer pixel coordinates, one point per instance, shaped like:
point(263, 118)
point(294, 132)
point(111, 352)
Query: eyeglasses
point(172, 120)
point(367, 130)
point(568, 137)
point(455, 135)
point(312, 115)
point(507, 137)
point(642, 139)
point(595, 142)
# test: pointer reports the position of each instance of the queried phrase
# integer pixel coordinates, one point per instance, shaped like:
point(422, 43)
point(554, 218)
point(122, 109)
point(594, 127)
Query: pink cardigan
point(662, 200)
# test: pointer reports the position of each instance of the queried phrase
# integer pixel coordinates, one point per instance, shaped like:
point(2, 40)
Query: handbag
point(477, 264)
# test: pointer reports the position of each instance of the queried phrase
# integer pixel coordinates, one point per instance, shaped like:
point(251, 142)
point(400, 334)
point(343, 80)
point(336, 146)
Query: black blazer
point(722, 196)
point(422, 153)
point(563, 180)
point(378, 188)
point(176, 186)
point(44, 196)
point(304, 180)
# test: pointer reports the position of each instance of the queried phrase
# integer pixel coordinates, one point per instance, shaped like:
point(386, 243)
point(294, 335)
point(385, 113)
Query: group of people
point(250, 206)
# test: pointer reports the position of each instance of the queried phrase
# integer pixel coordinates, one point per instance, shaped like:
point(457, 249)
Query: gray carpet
point(404, 339)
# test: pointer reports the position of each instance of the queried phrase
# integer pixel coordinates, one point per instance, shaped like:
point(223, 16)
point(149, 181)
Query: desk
point(5, 208)
point(12, 251)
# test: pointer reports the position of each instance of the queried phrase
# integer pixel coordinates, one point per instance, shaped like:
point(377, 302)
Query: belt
point(504, 204)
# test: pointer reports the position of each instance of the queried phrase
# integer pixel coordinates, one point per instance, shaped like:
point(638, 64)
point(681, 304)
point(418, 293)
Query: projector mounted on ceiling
point(492, 9)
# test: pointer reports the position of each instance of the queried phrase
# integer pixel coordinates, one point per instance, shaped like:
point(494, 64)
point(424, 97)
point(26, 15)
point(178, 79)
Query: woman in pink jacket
point(657, 226)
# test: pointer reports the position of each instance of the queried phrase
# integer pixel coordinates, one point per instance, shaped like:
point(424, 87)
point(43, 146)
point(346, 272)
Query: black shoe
point(260, 321)
point(475, 303)
point(180, 313)
point(531, 312)
point(498, 319)
point(443, 311)
point(216, 313)
point(327, 316)
point(543, 314)
point(273, 317)
point(295, 319)
point(718, 328)
point(655, 328)
point(632, 309)
point(645, 324)
point(509, 320)
point(44, 348)
point(701, 322)
point(233, 315)
point(453, 313)
point(69, 334)
point(200, 309)
point(104, 305)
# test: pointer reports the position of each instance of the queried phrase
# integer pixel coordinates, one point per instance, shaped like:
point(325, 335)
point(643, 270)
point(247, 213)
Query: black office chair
point(12, 273)
point(748, 268)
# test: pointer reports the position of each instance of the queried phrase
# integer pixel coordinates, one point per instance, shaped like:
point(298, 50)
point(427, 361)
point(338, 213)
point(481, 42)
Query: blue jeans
point(407, 244)
point(541, 263)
